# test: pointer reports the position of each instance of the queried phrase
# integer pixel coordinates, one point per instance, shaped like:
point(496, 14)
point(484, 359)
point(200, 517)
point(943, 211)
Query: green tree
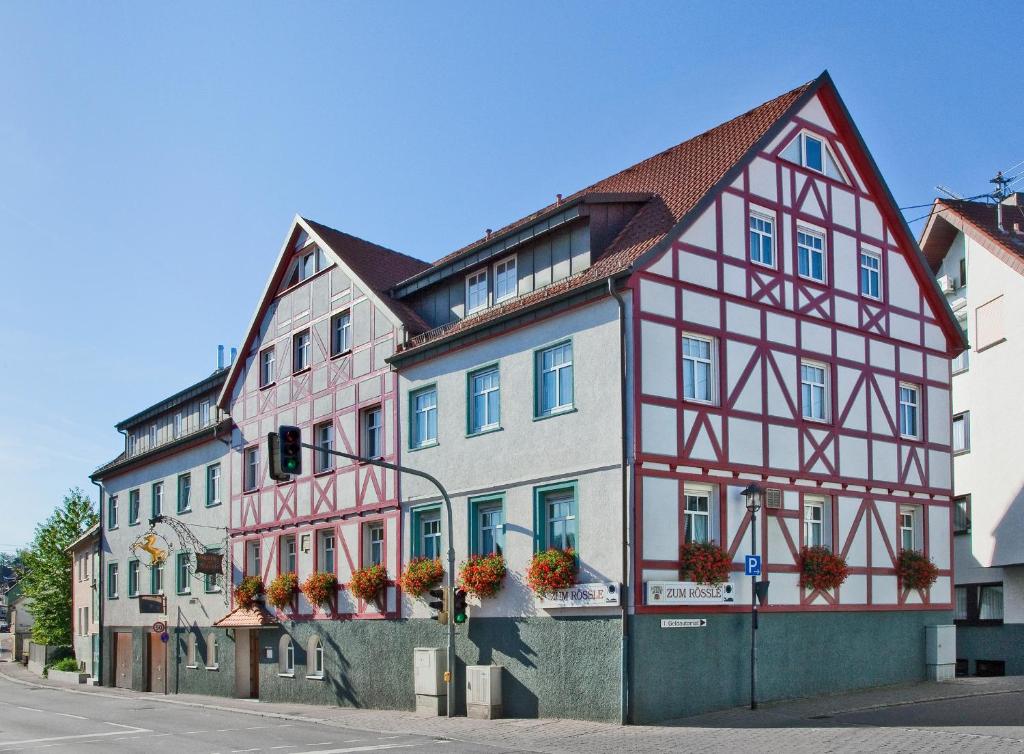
point(47, 568)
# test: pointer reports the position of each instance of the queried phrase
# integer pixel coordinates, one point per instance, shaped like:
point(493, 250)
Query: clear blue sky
point(153, 154)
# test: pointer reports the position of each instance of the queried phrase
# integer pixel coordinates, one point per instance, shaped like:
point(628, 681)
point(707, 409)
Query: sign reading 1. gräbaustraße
point(688, 593)
point(581, 595)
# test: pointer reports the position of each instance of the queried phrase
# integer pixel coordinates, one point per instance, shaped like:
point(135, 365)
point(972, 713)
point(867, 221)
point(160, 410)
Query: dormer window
point(506, 283)
point(308, 265)
point(813, 153)
point(476, 291)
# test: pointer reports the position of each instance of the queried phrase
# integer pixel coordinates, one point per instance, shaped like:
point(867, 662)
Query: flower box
point(282, 589)
point(248, 592)
point(320, 588)
point(421, 574)
point(552, 570)
point(367, 583)
point(481, 575)
point(916, 570)
point(820, 568)
point(704, 563)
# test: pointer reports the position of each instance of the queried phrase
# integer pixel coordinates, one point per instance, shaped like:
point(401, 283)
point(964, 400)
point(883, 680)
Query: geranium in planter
point(319, 587)
point(282, 589)
point(481, 575)
point(421, 574)
point(820, 568)
point(704, 563)
point(366, 583)
point(552, 570)
point(247, 592)
point(916, 570)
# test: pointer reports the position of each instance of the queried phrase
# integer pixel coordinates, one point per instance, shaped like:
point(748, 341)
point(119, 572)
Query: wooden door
point(254, 664)
point(123, 666)
point(156, 664)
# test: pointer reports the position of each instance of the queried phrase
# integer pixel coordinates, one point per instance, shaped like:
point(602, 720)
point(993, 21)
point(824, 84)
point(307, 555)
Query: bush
point(247, 592)
point(66, 664)
point(319, 587)
point(552, 570)
point(820, 568)
point(282, 589)
point(916, 570)
point(481, 575)
point(704, 563)
point(421, 574)
point(366, 583)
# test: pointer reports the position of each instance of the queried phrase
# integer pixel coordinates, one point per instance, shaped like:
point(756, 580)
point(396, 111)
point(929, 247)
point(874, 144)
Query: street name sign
point(688, 593)
point(752, 565)
point(581, 595)
point(684, 622)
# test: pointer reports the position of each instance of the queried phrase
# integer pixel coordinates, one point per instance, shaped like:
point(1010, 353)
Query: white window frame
point(872, 272)
point(178, 425)
point(184, 483)
point(267, 366)
point(752, 231)
point(709, 362)
point(558, 407)
point(213, 485)
point(253, 558)
point(324, 439)
point(504, 267)
point(341, 333)
point(288, 557)
point(805, 410)
point(965, 417)
point(422, 434)
point(908, 514)
point(302, 344)
point(909, 410)
point(327, 549)
point(374, 542)
point(152, 436)
point(251, 480)
point(369, 429)
point(204, 413)
point(136, 569)
point(431, 518)
point(811, 252)
point(472, 279)
point(497, 528)
point(804, 136)
point(315, 658)
point(812, 506)
point(478, 423)
point(693, 494)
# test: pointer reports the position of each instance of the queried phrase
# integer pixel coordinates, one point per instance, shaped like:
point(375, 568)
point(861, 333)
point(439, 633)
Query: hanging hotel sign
point(688, 593)
point(209, 563)
point(581, 595)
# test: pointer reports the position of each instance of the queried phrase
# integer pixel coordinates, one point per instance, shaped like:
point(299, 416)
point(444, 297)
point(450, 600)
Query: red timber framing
point(757, 380)
point(337, 389)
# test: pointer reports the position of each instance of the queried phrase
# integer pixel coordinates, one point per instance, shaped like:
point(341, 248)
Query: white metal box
point(428, 671)
point(940, 652)
point(483, 691)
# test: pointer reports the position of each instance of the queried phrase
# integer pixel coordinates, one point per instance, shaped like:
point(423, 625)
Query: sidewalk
point(724, 730)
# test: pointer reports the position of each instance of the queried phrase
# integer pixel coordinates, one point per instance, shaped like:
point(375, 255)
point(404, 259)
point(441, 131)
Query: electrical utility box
point(940, 652)
point(429, 664)
point(483, 691)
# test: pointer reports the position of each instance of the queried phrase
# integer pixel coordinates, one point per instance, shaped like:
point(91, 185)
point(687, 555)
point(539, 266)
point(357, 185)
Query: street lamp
point(753, 494)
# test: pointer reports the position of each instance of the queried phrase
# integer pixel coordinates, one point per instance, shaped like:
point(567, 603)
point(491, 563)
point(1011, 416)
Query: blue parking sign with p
point(752, 565)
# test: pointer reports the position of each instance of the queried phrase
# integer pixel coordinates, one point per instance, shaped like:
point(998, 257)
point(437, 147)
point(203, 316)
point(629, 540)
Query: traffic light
point(291, 449)
point(459, 614)
point(439, 603)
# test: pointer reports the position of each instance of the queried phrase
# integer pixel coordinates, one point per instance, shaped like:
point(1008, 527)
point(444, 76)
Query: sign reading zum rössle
point(688, 593)
point(581, 595)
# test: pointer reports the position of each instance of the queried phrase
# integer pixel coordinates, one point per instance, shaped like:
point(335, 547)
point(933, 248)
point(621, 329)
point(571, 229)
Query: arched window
point(190, 650)
point(286, 662)
point(315, 658)
point(211, 651)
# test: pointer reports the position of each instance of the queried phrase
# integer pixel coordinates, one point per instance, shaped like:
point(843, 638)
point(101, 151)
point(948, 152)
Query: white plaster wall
point(584, 445)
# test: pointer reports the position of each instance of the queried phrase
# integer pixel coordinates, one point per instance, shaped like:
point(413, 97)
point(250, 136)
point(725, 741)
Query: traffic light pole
point(450, 674)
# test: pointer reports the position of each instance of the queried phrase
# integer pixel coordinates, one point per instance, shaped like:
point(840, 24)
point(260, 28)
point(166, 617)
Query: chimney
point(558, 198)
point(489, 231)
point(220, 357)
point(234, 354)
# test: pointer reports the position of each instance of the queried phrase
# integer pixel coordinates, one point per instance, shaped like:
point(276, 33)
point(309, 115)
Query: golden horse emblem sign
point(147, 543)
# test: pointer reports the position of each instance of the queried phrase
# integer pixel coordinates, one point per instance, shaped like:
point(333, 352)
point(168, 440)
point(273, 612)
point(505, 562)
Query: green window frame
point(134, 503)
point(420, 419)
point(156, 498)
point(543, 497)
point(478, 506)
point(181, 582)
point(210, 579)
point(184, 493)
point(112, 581)
point(134, 572)
point(562, 368)
point(418, 540)
point(112, 512)
point(213, 485)
point(483, 415)
point(156, 579)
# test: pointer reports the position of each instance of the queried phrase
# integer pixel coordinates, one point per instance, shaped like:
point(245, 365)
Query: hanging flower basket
point(820, 568)
point(319, 587)
point(481, 575)
point(421, 574)
point(552, 570)
point(367, 582)
point(916, 570)
point(248, 591)
point(704, 563)
point(282, 589)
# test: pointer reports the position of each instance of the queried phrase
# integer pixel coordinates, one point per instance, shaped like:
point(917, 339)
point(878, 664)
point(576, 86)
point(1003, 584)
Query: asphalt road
point(33, 719)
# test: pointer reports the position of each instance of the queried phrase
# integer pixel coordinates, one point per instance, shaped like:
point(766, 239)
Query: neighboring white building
point(976, 250)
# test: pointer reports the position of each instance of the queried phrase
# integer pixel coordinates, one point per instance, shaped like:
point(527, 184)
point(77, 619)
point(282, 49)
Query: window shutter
point(773, 498)
point(988, 323)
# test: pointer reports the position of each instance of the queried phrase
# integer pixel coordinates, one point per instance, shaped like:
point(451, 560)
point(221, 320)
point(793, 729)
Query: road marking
point(241, 751)
point(4, 744)
point(192, 732)
point(129, 727)
point(30, 709)
point(68, 714)
point(358, 748)
point(289, 746)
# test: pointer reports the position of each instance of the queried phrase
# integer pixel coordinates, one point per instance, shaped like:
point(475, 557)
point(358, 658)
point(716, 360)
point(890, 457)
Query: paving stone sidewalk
point(790, 727)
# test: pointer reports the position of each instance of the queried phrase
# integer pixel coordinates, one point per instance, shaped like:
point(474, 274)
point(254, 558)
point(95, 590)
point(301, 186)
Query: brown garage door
point(123, 653)
point(156, 664)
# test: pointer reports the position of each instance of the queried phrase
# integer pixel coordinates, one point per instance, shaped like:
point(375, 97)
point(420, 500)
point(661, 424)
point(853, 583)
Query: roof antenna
point(999, 194)
point(952, 194)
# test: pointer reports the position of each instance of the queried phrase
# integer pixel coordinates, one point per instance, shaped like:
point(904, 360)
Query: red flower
point(552, 570)
point(704, 563)
point(421, 574)
point(281, 589)
point(482, 574)
point(820, 568)
point(366, 583)
point(916, 570)
point(247, 592)
point(320, 587)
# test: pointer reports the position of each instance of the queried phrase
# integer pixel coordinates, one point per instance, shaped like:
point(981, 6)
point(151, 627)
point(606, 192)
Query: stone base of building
point(676, 672)
point(987, 650)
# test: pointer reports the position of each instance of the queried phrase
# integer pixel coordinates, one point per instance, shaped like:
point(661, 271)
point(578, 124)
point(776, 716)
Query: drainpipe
point(98, 671)
point(626, 471)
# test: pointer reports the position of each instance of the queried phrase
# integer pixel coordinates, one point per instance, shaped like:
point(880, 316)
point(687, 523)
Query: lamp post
point(753, 494)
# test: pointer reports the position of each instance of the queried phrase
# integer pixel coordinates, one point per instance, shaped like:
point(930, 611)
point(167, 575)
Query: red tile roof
point(677, 179)
point(979, 220)
point(247, 617)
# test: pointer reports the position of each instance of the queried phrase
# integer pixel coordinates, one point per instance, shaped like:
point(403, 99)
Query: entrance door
point(123, 654)
point(156, 675)
point(254, 664)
